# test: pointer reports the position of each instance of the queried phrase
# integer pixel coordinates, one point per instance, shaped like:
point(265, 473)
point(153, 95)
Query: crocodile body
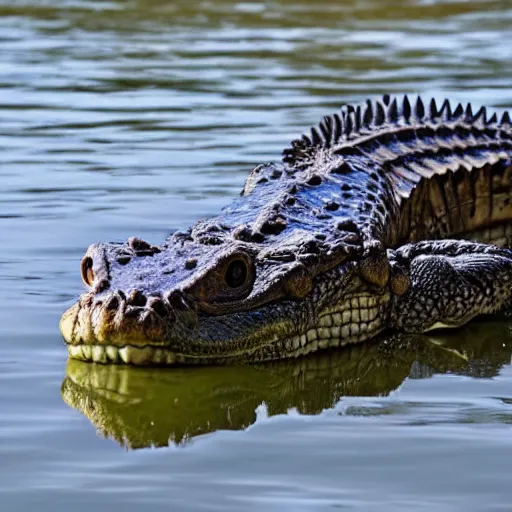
point(388, 215)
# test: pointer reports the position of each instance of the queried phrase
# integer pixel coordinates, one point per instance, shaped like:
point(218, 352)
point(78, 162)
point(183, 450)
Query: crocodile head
point(262, 280)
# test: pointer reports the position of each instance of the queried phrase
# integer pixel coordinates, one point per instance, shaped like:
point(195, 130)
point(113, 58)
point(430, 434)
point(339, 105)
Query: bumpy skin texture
point(358, 229)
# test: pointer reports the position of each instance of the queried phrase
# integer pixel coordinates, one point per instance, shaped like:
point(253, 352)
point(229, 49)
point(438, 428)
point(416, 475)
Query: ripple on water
point(122, 118)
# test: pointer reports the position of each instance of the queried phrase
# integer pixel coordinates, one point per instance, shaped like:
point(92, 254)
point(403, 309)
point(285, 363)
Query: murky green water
point(138, 117)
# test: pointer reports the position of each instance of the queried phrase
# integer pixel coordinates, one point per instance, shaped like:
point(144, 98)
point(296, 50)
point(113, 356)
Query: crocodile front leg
point(450, 282)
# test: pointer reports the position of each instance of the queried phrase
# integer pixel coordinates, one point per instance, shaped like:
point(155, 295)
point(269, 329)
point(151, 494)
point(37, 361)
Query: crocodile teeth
point(87, 352)
point(124, 354)
point(128, 354)
point(98, 354)
point(112, 353)
point(75, 351)
point(137, 355)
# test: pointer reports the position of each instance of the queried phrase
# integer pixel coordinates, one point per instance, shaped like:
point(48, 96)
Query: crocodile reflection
point(140, 407)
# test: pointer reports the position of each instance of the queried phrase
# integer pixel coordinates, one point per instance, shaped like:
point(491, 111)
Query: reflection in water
point(141, 407)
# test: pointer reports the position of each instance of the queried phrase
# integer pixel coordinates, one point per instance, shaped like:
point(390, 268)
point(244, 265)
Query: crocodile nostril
point(86, 270)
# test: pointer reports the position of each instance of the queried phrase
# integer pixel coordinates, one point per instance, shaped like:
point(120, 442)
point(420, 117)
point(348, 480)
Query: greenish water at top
point(121, 118)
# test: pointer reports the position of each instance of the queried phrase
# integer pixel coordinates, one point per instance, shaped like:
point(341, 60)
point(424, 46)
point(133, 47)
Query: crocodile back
point(426, 171)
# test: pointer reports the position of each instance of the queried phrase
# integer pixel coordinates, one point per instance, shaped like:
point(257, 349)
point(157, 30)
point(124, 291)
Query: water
point(137, 118)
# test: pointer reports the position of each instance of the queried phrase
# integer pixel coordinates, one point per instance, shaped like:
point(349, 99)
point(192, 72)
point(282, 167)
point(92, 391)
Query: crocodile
point(390, 214)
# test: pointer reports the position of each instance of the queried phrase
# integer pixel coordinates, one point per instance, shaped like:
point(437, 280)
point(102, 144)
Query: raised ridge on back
point(356, 124)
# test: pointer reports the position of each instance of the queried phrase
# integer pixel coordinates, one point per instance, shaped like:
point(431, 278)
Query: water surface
point(137, 118)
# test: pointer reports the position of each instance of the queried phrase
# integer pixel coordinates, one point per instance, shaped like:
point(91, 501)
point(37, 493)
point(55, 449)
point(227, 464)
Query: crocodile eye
point(86, 270)
point(236, 274)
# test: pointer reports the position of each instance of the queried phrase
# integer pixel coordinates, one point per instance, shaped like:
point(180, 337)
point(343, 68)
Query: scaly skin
point(359, 229)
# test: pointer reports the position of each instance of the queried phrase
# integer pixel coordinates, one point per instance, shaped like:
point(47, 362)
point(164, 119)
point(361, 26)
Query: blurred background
point(122, 118)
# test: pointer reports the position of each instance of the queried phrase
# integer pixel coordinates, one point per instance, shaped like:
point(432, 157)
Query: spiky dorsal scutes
point(421, 152)
point(354, 123)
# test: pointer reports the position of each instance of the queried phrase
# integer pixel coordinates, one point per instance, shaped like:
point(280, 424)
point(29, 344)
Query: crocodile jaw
point(357, 317)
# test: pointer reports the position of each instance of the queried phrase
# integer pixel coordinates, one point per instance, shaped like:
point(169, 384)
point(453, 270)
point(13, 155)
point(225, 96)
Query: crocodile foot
point(451, 282)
